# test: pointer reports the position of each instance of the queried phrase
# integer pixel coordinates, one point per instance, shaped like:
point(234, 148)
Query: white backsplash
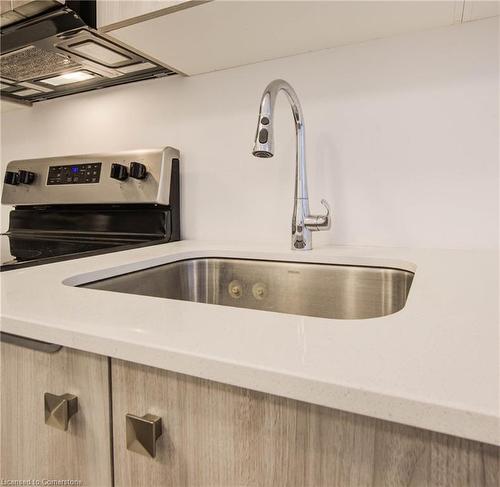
point(402, 140)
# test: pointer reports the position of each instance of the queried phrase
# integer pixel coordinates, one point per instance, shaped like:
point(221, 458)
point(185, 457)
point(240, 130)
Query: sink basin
point(321, 290)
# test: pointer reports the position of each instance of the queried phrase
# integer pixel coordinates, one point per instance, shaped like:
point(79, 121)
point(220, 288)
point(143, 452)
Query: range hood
point(51, 48)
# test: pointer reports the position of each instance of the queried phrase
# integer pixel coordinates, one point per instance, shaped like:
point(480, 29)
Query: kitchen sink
point(309, 289)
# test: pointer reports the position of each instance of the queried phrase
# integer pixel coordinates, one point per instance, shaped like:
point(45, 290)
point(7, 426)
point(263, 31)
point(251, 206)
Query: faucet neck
point(268, 102)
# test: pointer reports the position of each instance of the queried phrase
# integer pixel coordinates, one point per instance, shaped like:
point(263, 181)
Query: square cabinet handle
point(142, 433)
point(60, 409)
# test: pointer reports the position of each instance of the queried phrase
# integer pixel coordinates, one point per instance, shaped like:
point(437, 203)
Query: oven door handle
point(29, 343)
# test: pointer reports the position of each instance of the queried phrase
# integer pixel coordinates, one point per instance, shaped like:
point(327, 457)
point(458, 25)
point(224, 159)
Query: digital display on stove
point(75, 174)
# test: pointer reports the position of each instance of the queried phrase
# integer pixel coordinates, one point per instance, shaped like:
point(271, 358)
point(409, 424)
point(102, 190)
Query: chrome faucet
point(303, 224)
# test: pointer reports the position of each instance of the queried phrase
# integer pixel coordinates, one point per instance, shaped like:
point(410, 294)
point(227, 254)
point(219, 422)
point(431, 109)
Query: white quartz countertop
point(434, 364)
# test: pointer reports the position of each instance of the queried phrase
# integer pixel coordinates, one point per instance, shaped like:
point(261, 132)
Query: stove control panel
point(143, 176)
point(74, 174)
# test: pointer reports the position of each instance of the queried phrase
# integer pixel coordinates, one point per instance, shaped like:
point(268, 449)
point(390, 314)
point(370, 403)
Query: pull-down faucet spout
point(303, 224)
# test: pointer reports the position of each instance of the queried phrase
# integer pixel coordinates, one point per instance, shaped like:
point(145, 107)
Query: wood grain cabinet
point(112, 13)
point(219, 435)
point(34, 450)
point(172, 430)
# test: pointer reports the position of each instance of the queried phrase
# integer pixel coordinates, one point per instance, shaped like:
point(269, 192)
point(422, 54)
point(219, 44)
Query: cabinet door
point(223, 34)
point(31, 449)
point(478, 9)
point(215, 435)
point(111, 13)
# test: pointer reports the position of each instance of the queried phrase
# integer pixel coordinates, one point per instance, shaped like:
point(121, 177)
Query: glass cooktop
point(26, 250)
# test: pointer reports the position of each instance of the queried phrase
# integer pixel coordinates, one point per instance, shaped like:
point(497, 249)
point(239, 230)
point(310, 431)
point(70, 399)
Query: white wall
point(402, 139)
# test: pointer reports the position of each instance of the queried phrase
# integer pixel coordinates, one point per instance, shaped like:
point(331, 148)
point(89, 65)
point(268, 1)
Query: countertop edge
point(470, 425)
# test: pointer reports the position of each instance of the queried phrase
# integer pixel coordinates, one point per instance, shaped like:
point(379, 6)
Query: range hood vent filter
point(32, 62)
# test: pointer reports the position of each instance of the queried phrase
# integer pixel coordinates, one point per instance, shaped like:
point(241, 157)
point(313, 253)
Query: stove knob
point(11, 178)
point(137, 170)
point(118, 172)
point(26, 177)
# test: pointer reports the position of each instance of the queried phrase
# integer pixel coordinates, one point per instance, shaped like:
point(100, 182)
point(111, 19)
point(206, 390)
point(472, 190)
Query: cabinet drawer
point(219, 435)
point(32, 449)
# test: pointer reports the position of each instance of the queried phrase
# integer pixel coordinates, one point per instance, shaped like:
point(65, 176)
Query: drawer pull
point(60, 409)
point(142, 433)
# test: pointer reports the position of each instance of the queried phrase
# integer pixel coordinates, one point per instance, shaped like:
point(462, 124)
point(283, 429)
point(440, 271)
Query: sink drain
point(235, 289)
point(259, 291)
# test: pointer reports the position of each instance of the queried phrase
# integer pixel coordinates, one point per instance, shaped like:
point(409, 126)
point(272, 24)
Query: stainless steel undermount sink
point(321, 290)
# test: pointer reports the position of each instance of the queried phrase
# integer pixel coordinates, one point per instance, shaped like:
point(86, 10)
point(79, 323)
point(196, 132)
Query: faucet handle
point(319, 222)
point(327, 207)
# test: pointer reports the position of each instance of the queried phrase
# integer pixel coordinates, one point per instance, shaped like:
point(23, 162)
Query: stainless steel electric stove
point(83, 205)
